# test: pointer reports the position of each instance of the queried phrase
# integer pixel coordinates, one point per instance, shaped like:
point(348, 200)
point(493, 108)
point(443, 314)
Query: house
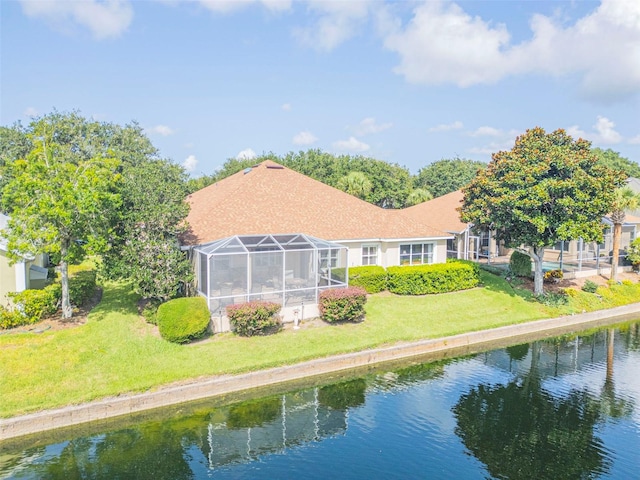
point(467, 243)
point(22, 275)
point(269, 232)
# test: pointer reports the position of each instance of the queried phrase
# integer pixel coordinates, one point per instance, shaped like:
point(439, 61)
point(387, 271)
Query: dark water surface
point(562, 408)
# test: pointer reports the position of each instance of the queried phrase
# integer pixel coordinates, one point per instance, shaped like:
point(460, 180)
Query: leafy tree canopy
point(448, 175)
point(62, 195)
point(391, 184)
point(546, 189)
point(615, 161)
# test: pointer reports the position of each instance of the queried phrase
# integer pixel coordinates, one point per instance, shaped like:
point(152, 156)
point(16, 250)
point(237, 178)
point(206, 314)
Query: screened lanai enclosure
point(288, 269)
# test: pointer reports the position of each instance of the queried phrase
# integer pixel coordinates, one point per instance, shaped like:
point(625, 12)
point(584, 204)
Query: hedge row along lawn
point(117, 352)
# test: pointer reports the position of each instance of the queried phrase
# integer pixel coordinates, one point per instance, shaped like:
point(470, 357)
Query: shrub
point(589, 286)
point(435, 278)
point(82, 286)
point(553, 276)
point(183, 319)
point(150, 311)
point(10, 318)
point(474, 265)
point(520, 264)
point(373, 278)
point(34, 304)
point(552, 299)
point(253, 318)
point(570, 292)
point(633, 253)
point(342, 304)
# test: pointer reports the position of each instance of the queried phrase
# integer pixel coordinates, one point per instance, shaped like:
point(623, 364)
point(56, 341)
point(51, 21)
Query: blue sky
point(407, 82)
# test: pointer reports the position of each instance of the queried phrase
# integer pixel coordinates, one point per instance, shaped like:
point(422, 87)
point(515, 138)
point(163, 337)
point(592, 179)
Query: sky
point(408, 82)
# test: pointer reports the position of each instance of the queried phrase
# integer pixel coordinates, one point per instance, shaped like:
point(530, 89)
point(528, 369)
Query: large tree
point(615, 161)
point(62, 196)
point(624, 199)
point(144, 246)
point(447, 175)
point(547, 188)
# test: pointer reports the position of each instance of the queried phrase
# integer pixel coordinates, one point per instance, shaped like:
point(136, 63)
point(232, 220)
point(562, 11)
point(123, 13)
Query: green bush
point(150, 311)
point(589, 286)
point(10, 318)
point(633, 253)
point(34, 304)
point(183, 319)
point(253, 318)
point(82, 286)
point(342, 304)
point(434, 278)
point(552, 299)
point(373, 278)
point(520, 264)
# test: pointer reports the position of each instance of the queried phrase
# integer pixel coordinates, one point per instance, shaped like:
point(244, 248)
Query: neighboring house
point(467, 243)
point(268, 211)
point(22, 275)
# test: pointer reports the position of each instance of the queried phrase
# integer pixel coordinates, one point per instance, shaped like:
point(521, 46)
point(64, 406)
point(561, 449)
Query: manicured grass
point(117, 352)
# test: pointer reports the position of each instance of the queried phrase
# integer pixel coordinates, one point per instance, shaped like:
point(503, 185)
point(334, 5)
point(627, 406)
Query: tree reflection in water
point(521, 431)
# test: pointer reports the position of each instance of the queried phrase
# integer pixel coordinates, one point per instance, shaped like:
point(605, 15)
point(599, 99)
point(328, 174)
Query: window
point(416, 253)
point(369, 255)
point(329, 258)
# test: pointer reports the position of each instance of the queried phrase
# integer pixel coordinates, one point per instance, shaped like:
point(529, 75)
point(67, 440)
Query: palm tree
point(356, 184)
point(626, 199)
point(417, 196)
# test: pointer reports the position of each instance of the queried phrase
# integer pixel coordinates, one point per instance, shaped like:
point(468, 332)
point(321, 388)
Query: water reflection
point(558, 408)
point(521, 431)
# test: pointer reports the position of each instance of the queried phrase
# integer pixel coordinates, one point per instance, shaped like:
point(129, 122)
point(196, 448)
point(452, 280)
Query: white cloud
point(304, 138)
point(228, 6)
point(286, 107)
point(443, 44)
point(369, 125)
point(486, 132)
point(604, 132)
point(337, 22)
point(163, 130)
point(351, 145)
point(446, 127)
point(492, 148)
point(31, 112)
point(635, 140)
point(190, 163)
point(246, 154)
point(105, 19)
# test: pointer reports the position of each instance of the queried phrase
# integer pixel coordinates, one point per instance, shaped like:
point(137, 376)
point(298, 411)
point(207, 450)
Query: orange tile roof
point(270, 198)
point(440, 212)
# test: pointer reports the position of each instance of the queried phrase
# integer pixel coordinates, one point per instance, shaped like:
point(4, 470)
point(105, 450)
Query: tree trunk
point(67, 311)
point(538, 276)
point(617, 233)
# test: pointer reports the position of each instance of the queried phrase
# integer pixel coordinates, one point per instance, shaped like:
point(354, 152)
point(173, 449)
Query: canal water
point(561, 408)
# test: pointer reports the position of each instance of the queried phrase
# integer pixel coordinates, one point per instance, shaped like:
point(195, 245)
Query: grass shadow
point(117, 297)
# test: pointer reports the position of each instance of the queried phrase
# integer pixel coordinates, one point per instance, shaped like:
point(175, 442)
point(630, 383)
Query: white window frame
point(429, 256)
point(376, 255)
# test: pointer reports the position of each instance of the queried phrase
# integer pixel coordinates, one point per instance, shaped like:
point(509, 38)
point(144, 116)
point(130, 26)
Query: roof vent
point(276, 167)
point(247, 170)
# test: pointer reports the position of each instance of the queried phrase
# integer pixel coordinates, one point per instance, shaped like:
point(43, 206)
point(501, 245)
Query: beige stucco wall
point(7, 278)
point(389, 252)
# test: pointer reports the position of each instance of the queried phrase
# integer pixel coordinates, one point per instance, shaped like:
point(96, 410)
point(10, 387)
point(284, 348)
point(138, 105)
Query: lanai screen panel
point(288, 269)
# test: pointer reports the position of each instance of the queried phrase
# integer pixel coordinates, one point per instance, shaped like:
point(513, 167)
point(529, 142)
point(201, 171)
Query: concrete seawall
point(222, 385)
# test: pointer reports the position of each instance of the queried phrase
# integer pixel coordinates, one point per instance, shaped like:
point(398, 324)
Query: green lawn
point(117, 352)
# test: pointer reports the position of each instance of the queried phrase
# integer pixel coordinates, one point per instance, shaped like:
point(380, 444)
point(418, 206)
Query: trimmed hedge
point(183, 319)
point(253, 318)
point(520, 264)
point(342, 304)
point(34, 304)
point(373, 278)
point(433, 278)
